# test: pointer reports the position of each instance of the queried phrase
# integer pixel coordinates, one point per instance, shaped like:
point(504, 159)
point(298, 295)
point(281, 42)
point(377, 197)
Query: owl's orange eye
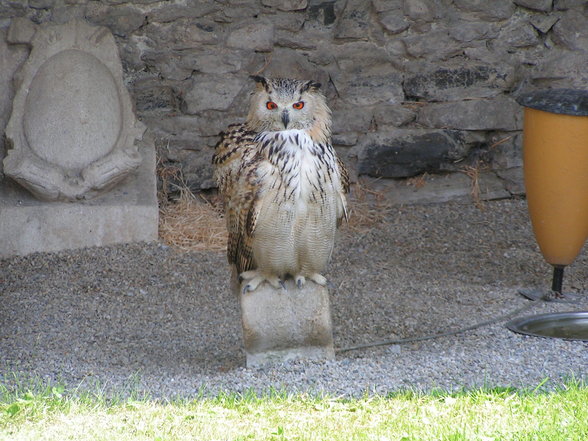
point(271, 105)
point(299, 105)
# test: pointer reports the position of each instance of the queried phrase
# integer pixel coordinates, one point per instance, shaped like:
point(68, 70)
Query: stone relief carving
point(72, 131)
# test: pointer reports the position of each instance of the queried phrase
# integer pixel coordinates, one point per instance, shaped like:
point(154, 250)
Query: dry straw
point(192, 223)
point(188, 222)
point(367, 208)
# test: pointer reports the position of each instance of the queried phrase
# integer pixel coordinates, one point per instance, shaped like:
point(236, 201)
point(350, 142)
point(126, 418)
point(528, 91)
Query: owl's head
point(283, 104)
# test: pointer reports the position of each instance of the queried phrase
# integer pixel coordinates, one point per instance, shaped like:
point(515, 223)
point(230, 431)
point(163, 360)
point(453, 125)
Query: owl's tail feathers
point(342, 212)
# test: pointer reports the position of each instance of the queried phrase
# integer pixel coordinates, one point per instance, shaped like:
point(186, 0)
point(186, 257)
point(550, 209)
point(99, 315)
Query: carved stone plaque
point(72, 131)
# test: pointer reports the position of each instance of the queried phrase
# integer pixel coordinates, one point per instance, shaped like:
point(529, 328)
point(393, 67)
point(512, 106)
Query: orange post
point(555, 162)
point(556, 180)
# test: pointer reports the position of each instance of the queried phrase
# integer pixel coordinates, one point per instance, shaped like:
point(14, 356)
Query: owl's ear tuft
point(261, 81)
point(311, 85)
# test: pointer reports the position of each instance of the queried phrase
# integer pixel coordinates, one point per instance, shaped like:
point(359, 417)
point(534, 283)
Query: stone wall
point(416, 86)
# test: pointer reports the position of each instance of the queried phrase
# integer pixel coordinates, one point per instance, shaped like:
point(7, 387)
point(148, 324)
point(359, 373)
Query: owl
point(283, 186)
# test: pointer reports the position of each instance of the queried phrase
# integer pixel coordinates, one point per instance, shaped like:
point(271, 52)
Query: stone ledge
point(129, 213)
point(58, 227)
point(457, 187)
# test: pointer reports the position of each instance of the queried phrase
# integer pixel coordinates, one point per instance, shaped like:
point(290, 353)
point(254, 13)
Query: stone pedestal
point(127, 213)
point(281, 325)
point(78, 170)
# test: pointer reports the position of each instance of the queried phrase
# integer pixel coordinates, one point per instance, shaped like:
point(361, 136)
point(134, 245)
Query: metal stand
point(556, 294)
point(556, 284)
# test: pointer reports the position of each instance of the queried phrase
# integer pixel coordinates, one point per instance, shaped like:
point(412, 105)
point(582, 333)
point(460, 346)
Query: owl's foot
point(255, 278)
point(316, 278)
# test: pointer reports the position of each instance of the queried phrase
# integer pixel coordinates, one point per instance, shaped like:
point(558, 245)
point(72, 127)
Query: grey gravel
point(149, 318)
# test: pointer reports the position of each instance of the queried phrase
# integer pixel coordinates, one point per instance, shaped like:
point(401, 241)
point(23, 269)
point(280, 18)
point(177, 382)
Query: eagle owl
point(282, 184)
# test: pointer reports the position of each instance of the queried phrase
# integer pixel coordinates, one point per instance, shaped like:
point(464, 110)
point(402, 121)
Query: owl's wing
point(344, 177)
point(236, 162)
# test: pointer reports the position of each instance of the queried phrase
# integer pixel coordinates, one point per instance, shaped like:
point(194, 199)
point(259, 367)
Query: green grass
point(484, 414)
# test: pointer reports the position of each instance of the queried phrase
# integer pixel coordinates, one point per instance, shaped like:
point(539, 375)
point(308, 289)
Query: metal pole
point(556, 285)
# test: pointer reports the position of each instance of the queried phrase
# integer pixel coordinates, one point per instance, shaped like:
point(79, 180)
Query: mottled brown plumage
point(282, 184)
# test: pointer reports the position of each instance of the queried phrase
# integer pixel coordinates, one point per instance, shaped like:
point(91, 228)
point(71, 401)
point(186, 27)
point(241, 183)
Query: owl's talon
point(300, 281)
point(275, 282)
point(318, 279)
point(255, 279)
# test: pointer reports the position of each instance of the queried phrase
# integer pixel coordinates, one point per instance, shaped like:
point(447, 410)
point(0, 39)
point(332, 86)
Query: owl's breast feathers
point(284, 168)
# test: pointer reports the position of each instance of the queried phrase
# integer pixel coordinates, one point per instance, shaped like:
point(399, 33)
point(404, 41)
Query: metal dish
point(565, 325)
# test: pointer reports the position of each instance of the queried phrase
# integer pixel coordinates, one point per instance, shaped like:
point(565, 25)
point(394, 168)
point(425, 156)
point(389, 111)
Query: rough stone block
point(544, 23)
point(209, 93)
point(41, 4)
point(518, 33)
point(405, 153)
point(355, 21)
point(387, 5)
point(561, 69)
point(288, 63)
point(392, 115)
point(394, 22)
point(367, 90)
point(121, 20)
point(295, 40)
point(167, 64)
point(422, 10)
point(290, 23)
point(282, 325)
point(438, 189)
point(495, 10)
point(500, 113)
point(506, 151)
point(467, 32)
point(183, 34)
point(194, 157)
point(349, 118)
point(324, 12)
point(563, 5)
point(434, 45)
point(257, 35)
point(151, 96)
point(457, 83)
point(537, 5)
point(286, 5)
point(345, 139)
point(222, 61)
point(571, 31)
point(233, 12)
point(361, 58)
point(513, 179)
point(168, 13)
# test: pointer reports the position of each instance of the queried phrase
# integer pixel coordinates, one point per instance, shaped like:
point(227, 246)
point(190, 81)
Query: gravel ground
point(150, 318)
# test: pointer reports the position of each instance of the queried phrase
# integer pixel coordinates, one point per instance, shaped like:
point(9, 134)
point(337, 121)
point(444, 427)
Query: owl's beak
point(285, 118)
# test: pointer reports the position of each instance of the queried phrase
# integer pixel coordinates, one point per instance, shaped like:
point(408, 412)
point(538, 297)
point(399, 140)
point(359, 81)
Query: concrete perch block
point(282, 325)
